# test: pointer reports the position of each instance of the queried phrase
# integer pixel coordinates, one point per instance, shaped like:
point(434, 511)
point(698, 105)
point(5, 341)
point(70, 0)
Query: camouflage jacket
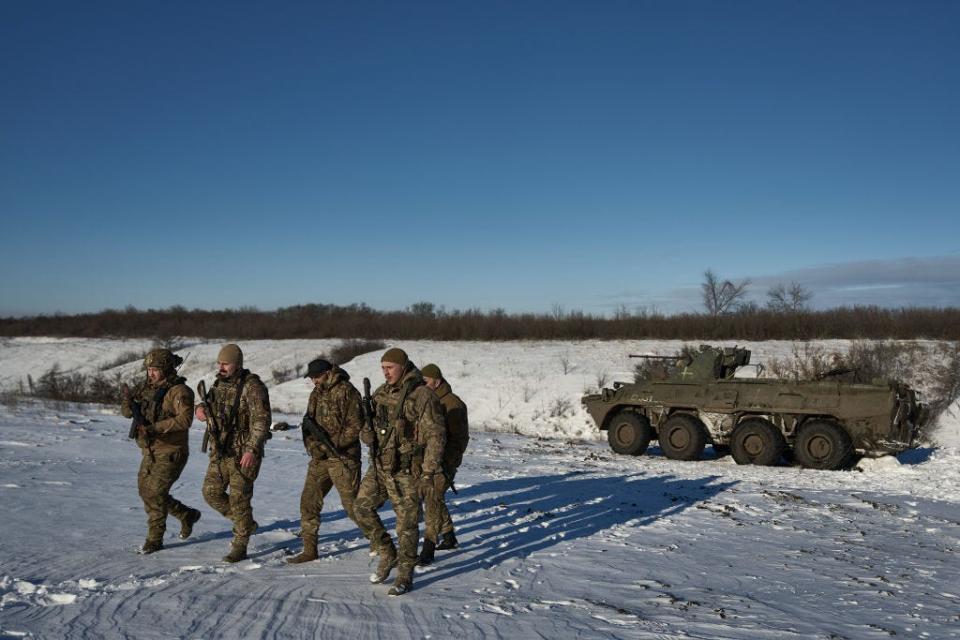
point(410, 437)
point(171, 418)
point(251, 426)
point(458, 431)
point(335, 406)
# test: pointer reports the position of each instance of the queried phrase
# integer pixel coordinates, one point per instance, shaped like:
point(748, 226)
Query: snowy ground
point(531, 388)
point(560, 537)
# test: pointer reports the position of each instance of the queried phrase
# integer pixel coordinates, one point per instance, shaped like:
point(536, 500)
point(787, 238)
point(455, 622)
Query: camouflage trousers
point(436, 516)
point(323, 475)
point(157, 474)
point(225, 475)
point(401, 489)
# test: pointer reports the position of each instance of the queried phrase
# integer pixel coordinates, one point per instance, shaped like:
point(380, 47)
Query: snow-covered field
point(560, 537)
point(531, 388)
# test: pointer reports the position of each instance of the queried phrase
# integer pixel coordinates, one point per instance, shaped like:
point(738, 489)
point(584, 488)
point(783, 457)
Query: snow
point(559, 536)
point(526, 387)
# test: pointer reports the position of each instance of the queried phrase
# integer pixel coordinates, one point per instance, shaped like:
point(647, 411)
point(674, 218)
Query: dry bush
point(806, 362)
point(74, 387)
point(124, 358)
point(864, 362)
point(945, 388)
point(528, 392)
point(285, 374)
point(350, 349)
point(560, 407)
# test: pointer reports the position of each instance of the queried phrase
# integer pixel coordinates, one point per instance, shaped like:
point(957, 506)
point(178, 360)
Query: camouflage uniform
point(247, 431)
point(335, 406)
point(409, 442)
point(436, 517)
point(168, 410)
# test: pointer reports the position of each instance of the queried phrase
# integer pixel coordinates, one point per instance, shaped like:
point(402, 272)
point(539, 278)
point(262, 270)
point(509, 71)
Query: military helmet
point(162, 359)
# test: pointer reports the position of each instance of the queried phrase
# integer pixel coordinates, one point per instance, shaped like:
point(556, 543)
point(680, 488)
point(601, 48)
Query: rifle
point(213, 429)
point(137, 421)
point(309, 425)
point(368, 423)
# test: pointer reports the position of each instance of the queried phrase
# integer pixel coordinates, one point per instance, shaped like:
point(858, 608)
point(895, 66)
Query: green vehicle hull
point(822, 424)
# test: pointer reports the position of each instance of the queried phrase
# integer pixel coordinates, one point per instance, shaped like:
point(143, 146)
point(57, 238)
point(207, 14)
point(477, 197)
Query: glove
point(427, 486)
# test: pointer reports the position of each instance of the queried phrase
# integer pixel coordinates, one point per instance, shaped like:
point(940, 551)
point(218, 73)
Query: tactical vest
point(226, 405)
point(397, 445)
point(151, 404)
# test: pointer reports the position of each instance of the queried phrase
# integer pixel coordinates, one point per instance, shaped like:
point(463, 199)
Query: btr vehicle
point(821, 424)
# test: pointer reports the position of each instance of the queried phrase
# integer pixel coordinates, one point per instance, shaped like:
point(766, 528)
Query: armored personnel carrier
point(822, 424)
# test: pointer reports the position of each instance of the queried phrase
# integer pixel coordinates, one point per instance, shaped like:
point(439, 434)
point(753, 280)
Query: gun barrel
point(633, 355)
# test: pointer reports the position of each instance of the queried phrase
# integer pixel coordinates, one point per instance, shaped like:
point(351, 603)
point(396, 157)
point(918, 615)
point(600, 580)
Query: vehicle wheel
point(629, 433)
point(757, 441)
point(683, 437)
point(823, 445)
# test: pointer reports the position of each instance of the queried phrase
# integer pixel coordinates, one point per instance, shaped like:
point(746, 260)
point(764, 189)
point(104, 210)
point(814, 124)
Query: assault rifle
point(137, 421)
point(368, 423)
point(213, 428)
point(309, 425)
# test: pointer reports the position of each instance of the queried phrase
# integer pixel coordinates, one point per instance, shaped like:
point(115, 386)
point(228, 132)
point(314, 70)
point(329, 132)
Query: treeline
point(425, 321)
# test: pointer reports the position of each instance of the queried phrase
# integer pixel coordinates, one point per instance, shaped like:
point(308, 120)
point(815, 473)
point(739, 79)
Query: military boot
point(309, 551)
point(447, 541)
point(400, 586)
point(238, 550)
point(426, 554)
point(388, 560)
point(186, 525)
point(151, 546)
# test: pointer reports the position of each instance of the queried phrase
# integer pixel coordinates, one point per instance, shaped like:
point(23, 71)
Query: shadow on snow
point(516, 517)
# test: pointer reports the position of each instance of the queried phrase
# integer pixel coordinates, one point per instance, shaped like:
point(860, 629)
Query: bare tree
point(622, 312)
point(721, 297)
point(790, 299)
point(423, 309)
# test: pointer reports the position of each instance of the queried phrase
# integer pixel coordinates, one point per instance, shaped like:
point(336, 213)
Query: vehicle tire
point(629, 433)
point(683, 437)
point(822, 444)
point(757, 441)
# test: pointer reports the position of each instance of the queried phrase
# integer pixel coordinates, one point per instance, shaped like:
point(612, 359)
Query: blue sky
point(476, 154)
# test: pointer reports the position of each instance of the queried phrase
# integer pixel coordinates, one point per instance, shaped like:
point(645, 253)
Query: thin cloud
point(900, 282)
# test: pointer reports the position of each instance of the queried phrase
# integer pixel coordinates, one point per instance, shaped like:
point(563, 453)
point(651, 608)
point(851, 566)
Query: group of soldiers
point(414, 427)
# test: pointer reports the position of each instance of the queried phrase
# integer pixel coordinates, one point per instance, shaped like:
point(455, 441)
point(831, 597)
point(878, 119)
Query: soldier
point(334, 407)
point(407, 445)
point(166, 404)
point(240, 405)
point(436, 516)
